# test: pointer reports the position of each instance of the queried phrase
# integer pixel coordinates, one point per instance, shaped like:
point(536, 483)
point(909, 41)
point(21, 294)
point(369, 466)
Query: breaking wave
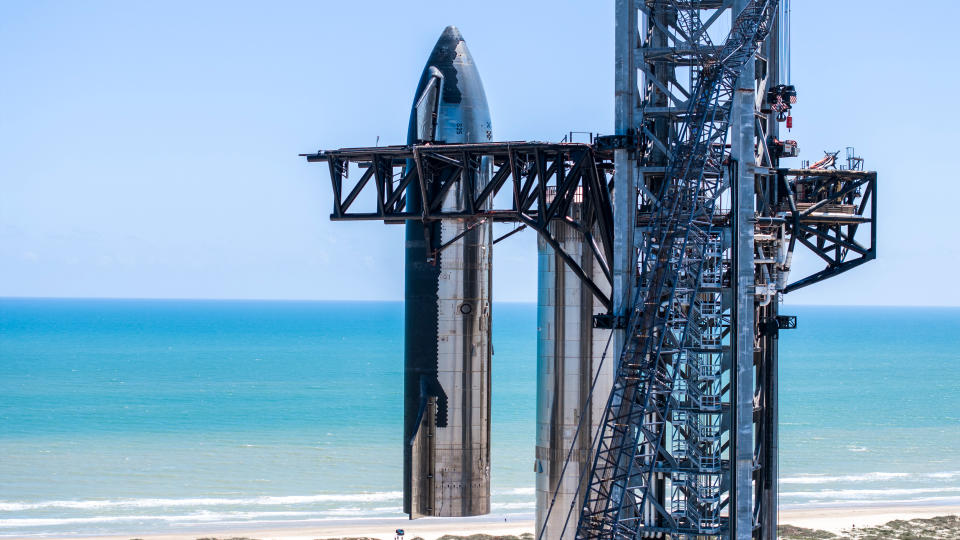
point(861, 493)
point(867, 477)
point(382, 496)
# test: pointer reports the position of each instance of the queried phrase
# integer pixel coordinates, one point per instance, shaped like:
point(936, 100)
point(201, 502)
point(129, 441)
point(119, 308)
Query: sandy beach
point(381, 529)
point(833, 519)
point(837, 519)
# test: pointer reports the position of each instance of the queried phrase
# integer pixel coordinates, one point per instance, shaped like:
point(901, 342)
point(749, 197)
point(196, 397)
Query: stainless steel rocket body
point(447, 348)
point(569, 357)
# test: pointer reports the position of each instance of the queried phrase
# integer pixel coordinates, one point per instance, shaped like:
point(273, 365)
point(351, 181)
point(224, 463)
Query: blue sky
point(150, 150)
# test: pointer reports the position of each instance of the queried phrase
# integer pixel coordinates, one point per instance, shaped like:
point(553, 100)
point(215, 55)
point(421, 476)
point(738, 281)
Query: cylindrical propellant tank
point(569, 352)
point(447, 348)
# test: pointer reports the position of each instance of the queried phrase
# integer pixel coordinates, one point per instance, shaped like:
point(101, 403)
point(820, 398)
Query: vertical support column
point(625, 189)
point(768, 504)
point(770, 344)
point(625, 171)
point(742, 139)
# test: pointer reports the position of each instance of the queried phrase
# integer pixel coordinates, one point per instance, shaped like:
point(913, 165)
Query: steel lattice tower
point(689, 225)
point(719, 476)
point(665, 464)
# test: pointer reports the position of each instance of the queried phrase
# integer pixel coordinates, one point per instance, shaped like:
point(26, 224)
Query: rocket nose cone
point(445, 51)
point(452, 77)
point(451, 32)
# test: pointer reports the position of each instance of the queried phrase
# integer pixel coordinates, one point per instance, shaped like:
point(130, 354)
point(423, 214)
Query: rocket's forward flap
point(430, 388)
point(426, 106)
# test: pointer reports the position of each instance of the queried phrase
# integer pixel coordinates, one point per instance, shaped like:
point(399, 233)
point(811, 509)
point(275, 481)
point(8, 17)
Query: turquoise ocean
point(137, 416)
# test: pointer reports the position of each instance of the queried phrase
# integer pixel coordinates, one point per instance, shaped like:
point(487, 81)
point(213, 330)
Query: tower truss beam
point(531, 183)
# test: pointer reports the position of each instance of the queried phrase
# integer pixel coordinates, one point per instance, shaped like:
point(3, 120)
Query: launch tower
point(673, 237)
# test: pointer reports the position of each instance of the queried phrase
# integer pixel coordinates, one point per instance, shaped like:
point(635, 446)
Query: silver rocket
point(447, 347)
point(570, 355)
